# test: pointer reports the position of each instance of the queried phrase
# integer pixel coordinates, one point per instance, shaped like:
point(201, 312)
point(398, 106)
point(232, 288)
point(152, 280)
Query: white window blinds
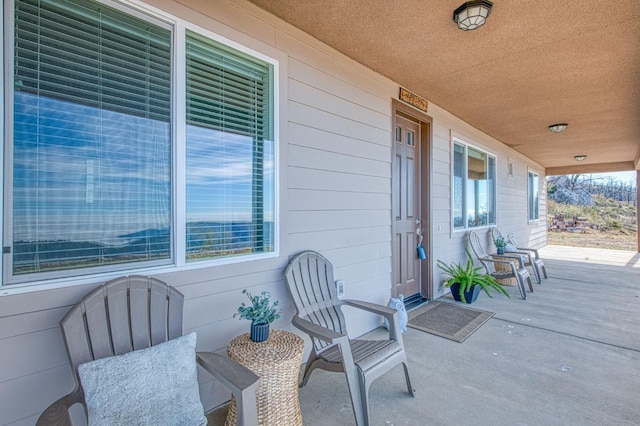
point(230, 174)
point(91, 140)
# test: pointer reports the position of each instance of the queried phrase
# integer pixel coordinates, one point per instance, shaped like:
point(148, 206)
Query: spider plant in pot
point(261, 312)
point(466, 282)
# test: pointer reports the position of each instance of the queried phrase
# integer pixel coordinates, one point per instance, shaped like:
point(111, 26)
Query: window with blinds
point(88, 184)
point(229, 150)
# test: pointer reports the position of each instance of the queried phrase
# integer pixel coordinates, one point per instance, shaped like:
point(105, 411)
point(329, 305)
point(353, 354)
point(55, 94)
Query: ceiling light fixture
point(558, 127)
point(581, 157)
point(472, 14)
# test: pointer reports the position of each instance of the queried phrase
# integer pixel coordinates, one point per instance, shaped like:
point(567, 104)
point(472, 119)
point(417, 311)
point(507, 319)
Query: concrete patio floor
point(568, 355)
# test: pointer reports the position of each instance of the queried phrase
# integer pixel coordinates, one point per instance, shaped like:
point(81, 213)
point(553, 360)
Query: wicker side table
point(277, 362)
point(511, 282)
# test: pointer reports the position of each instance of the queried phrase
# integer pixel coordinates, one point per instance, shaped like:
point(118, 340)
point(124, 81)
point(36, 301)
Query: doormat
point(448, 320)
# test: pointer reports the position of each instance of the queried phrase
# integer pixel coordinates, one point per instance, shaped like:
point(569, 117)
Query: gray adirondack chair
point(531, 256)
point(534, 257)
point(514, 264)
point(311, 283)
point(131, 313)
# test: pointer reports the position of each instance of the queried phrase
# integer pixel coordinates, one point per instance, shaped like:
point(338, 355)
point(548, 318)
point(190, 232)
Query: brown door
point(406, 206)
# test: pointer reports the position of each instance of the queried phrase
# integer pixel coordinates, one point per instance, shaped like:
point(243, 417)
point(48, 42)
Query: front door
point(406, 206)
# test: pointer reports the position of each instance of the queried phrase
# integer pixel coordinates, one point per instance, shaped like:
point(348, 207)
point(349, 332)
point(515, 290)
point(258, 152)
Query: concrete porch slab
point(568, 355)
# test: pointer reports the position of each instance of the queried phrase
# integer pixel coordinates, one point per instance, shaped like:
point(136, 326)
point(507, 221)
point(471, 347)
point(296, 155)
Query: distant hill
point(203, 239)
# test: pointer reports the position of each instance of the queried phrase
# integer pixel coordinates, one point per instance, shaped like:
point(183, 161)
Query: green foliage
point(261, 310)
point(607, 214)
point(500, 242)
point(468, 276)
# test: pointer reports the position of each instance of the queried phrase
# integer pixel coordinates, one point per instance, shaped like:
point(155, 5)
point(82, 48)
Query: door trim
point(426, 147)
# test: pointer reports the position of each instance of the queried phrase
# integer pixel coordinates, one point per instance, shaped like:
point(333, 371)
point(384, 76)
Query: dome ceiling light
point(558, 127)
point(472, 14)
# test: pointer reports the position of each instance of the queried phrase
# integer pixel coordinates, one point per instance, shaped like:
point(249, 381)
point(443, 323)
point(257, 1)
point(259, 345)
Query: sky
point(626, 177)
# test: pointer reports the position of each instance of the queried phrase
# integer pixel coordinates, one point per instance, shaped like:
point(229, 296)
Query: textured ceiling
point(533, 64)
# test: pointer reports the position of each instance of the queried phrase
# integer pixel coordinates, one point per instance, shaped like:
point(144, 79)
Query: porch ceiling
point(533, 64)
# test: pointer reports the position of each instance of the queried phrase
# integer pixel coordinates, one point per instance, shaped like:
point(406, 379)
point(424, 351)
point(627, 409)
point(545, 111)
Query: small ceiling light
point(558, 127)
point(581, 157)
point(472, 14)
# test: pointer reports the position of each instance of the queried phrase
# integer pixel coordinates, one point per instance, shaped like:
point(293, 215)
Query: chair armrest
point(518, 258)
point(390, 314)
point(535, 251)
point(317, 331)
point(233, 375)
point(58, 413)
point(492, 260)
point(375, 308)
point(242, 382)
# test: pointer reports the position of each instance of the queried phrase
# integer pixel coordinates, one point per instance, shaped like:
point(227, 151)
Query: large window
point(229, 152)
point(474, 187)
point(534, 196)
point(93, 145)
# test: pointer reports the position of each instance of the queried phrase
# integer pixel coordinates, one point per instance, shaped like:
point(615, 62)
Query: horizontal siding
point(327, 102)
point(318, 119)
point(323, 220)
point(29, 394)
point(24, 323)
point(342, 87)
point(24, 353)
point(308, 51)
point(311, 158)
point(326, 140)
point(307, 199)
point(324, 180)
point(327, 240)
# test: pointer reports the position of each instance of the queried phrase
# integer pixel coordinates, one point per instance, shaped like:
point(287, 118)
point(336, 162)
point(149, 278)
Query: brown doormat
point(448, 320)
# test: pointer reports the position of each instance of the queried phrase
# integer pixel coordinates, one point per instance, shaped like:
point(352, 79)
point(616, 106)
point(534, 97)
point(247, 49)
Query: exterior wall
point(335, 197)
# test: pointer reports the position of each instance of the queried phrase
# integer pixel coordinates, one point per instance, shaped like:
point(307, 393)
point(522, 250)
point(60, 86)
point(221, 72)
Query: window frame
point(530, 201)
point(456, 140)
point(179, 262)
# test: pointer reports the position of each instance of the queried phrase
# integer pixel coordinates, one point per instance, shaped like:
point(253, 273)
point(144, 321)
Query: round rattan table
point(277, 362)
point(511, 282)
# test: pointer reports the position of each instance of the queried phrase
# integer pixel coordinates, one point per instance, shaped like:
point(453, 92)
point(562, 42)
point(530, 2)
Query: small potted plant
point(261, 312)
point(466, 282)
point(500, 244)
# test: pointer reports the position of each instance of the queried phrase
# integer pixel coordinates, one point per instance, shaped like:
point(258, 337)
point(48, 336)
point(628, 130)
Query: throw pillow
point(510, 247)
point(152, 386)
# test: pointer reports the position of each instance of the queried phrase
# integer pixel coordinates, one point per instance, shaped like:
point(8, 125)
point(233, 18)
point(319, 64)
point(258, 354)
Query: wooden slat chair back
point(131, 313)
point(513, 266)
point(310, 280)
point(312, 288)
point(481, 254)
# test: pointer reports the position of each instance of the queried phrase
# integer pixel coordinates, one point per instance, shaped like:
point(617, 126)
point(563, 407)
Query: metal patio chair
point(131, 313)
point(513, 265)
point(311, 283)
point(531, 257)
